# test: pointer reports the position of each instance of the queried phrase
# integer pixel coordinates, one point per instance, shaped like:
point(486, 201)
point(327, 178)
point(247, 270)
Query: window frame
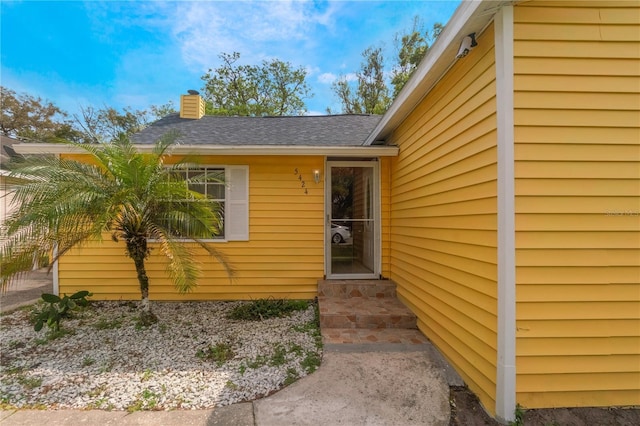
point(228, 200)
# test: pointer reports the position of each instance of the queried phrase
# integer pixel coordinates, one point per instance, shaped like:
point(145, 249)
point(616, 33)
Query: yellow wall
point(284, 256)
point(577, 153)
point(444, 217)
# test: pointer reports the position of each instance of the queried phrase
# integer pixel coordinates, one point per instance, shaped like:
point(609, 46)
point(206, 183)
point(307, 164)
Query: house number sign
point(303, 185)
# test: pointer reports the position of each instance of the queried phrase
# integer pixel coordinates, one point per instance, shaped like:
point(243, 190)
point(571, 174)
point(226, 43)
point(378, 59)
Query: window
point(229, 187)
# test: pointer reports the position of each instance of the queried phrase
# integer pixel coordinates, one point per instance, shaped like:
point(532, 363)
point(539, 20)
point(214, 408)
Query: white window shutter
point(237, 204)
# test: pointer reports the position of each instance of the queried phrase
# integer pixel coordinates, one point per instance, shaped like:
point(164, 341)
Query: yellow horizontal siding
point(551, 292)
point(624, 67)
point(284, 256)
point(574, 346)
point(595, 274)
point(593, 220)
point(577, 163)
point(610, 152)
point(443, 217)
point(597, 133)
point(580, 258)
point(578, 328)
point(578, 365)
point(581, 399)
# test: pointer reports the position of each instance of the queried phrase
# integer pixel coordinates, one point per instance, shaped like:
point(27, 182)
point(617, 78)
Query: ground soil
point(467, 411)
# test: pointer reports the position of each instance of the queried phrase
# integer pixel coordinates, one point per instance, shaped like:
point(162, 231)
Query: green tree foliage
point(31, 118)
point(99, 125)
point(272, 88)
point(369, 93)
point(108, 124)
point(411, 47)
point(134, 197)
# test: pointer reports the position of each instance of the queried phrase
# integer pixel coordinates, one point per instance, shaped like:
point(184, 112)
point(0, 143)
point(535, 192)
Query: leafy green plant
point(312, 327)
point(231, 385)
point(519, 416)
point(148, 400)
point(261, 309)
point(257, 362)
point(146, 375)
point(105, 324)
point(279, 356)
point(29, 382)
point(220, 353)
point(53, 335)
point(310, 362)
point(56, 308)
point(292, 376)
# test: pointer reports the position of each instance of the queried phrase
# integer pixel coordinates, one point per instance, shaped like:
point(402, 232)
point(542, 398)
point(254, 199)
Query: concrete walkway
point(370, 384)
point(26, 290)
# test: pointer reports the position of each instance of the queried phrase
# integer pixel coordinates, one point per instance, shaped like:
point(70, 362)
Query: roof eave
point(469, 17)
point(227, 150)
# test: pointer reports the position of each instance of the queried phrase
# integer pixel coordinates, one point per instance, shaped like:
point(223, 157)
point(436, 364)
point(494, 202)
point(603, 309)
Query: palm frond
point(63, 203)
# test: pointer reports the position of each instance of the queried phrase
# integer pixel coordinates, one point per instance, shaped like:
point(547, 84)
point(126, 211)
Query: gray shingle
point(321, 130)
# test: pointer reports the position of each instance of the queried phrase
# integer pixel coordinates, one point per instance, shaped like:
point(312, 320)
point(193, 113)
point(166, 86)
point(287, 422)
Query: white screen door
point(352, 225)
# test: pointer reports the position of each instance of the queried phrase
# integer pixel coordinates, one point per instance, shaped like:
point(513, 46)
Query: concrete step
point(364, 313)
point(364, 336)
point(357, 288)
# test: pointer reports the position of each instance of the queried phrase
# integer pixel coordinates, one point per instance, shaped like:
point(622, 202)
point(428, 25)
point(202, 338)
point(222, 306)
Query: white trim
point(471, 16)
point(333, 151)
point(56, 273)
point(237, 207)
point(429, 70)
point(506, 368)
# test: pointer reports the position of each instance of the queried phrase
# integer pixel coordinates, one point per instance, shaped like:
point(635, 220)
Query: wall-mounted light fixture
point(316, 176)
point(468, 43)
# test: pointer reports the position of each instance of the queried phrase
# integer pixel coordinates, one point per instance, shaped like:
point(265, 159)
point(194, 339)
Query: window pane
point(216, 191)
point(198, 187)
point(209, 182)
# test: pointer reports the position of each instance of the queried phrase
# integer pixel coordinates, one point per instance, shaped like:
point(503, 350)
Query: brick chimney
point(191, 105)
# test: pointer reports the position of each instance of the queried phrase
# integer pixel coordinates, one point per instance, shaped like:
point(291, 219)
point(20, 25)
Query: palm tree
point(132, 196)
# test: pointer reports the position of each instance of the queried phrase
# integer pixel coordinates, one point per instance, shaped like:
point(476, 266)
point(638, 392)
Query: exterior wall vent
point(191, 106)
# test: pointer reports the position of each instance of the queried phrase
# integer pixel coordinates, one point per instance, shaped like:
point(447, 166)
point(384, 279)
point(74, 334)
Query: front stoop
point(365, 311)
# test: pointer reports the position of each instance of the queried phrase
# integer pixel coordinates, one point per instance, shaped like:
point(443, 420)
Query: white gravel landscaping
point(108, 361)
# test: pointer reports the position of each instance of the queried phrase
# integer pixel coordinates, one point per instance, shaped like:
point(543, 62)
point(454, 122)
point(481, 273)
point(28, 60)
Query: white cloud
point(351, 76)
point(327, 78)
point(205, 29)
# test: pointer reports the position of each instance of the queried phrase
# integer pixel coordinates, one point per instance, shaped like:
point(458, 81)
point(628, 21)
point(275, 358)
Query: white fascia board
point(427, 72)
point(287, 150)
point(506, 351)
point(472, 16)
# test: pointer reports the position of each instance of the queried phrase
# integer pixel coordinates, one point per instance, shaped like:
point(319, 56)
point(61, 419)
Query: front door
point(352, 226)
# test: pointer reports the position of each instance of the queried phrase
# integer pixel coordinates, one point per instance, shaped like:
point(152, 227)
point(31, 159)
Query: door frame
point(374, 164)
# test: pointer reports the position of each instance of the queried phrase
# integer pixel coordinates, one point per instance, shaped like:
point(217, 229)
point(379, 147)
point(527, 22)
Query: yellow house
point(500, 192)
point(515, 201)
point(5, 202)
point(281, 235)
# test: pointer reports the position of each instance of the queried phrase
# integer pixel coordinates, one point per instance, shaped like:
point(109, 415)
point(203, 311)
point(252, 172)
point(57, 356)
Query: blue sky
point(139, 53)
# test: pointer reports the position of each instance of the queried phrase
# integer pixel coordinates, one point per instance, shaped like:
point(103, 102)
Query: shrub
point(56, 308)
point(261, 309)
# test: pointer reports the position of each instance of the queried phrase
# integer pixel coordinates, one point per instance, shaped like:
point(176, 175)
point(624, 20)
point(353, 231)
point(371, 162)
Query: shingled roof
point(321, 130)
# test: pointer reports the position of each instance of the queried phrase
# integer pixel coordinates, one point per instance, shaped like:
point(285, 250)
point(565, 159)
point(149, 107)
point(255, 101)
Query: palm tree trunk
point(137, 250)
